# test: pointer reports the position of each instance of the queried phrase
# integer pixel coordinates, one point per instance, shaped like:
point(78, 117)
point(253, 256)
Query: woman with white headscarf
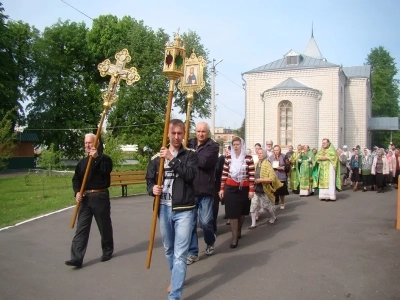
point(379, 169)
point(366, 167)
point(237, 187)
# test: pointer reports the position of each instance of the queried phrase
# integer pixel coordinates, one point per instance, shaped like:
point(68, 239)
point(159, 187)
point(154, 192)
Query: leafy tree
point(385, 91)
point(112, 149)
point(50, 159)
point(7, 139)
point(24, 37)
point(64, 96)
point(241, 131)
point(139, 113)
point(8, 72)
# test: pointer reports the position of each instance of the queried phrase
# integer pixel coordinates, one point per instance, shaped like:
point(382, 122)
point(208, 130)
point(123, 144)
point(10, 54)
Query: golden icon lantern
point(192, 81)
point(174, 59)
point(174, 68)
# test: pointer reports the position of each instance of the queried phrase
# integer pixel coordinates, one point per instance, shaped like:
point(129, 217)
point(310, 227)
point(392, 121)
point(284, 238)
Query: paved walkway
point(318, 250)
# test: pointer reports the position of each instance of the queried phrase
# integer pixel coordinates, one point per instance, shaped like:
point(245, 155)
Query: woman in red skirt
point(237, 187)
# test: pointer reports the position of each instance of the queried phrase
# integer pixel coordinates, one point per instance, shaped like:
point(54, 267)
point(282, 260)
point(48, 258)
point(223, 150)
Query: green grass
point(31, 195)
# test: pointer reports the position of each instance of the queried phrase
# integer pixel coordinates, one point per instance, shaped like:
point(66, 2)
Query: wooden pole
point(398, 204)
point(160, 173)
point(187, 123)
point(113, 88)
point(89, 164)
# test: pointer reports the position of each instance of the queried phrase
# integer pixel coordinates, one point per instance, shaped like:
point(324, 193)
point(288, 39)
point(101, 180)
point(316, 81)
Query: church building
point(303, 98)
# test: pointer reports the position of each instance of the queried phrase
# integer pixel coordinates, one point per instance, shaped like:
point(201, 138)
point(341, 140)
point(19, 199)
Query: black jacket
point(99, 175)
point(218, 172)
point(208, 158)
point(185, 167)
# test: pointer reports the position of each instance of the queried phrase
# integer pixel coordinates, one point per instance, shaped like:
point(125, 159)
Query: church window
point(292, 60)
point(285, 123)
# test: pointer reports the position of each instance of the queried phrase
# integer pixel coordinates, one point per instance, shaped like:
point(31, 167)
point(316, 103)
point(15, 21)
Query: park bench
point(126, 178)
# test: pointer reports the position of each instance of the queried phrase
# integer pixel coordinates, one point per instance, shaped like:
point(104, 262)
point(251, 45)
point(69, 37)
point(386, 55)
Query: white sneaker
point(209, 249)
point(191, 259)
point(282, 206)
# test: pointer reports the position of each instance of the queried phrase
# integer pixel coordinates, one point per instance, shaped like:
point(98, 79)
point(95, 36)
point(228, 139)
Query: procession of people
point(197, 179)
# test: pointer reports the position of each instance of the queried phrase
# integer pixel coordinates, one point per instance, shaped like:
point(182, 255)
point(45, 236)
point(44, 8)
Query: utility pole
point(212, 129)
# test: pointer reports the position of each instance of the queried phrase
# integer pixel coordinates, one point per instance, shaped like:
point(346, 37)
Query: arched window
point(285, 123)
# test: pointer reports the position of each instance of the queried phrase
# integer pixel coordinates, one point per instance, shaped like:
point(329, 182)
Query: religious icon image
point(191, 74)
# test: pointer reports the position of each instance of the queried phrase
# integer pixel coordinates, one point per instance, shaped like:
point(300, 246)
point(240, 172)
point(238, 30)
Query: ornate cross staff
point(173, 68)
point(192, 82)
point(117, 72)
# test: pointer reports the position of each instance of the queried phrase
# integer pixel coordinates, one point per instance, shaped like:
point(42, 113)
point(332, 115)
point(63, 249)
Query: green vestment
point(294, 173)
point(321, 168)
point(305, 170)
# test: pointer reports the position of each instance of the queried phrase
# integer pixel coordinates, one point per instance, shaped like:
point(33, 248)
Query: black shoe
point(233, 246)
point(105, 257)
point(364, 190)
point(73, 263)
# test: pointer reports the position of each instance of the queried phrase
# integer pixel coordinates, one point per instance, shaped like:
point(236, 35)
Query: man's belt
point(94, 191)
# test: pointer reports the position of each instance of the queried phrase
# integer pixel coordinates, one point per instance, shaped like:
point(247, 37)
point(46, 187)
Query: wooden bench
point(126, 178)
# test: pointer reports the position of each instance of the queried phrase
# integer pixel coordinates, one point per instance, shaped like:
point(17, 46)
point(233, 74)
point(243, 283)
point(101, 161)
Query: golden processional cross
point(117, 72)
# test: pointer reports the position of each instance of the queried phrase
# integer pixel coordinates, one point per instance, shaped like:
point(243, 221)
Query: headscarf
point(268, 172)
point(237, 169)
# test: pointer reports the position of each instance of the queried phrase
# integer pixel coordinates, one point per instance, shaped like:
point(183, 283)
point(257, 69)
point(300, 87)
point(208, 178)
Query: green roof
point(27, 137)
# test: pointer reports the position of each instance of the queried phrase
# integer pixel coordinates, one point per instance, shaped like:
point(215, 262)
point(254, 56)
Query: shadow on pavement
point(229, 268)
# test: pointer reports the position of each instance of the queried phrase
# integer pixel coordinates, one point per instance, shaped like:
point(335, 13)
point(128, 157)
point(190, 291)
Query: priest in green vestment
point(294, 172)
point(305, 162)
point(326, 171)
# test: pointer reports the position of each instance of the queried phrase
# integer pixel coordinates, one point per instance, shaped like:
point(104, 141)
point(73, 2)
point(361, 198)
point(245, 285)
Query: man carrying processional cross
point(326, 172)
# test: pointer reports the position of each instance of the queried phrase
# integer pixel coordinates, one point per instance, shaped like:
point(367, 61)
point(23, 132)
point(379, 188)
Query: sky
point(245, 34)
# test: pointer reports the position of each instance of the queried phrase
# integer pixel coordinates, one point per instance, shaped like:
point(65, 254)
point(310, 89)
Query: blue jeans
point(176, 227)
point(205, 211)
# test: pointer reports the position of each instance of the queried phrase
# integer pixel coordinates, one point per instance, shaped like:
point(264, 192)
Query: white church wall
point(322, 79)
point(356, 112)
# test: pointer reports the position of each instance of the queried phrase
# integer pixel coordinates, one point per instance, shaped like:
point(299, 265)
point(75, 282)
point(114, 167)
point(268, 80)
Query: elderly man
point(207, 151)
point(327, 178)
point(95, 201)
point(269, 148)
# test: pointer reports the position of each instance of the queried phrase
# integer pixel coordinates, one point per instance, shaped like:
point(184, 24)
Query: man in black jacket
point(207, 152)
point(218, 174)
point(95, 201)
point(177, 202)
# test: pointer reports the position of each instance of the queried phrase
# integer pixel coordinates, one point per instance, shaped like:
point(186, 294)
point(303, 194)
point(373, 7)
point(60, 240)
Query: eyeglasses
point(269, 144)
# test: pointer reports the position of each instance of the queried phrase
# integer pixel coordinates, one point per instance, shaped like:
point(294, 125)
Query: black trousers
point(97, 205)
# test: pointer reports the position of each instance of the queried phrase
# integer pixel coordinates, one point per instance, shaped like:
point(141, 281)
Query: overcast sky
point(245, 34)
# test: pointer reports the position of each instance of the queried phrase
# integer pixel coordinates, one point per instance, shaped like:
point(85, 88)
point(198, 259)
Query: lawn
point(34, 194)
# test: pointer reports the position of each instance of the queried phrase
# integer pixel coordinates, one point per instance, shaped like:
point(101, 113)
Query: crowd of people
point(196, 180)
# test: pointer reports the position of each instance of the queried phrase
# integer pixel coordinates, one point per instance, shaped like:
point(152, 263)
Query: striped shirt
point(249, 176)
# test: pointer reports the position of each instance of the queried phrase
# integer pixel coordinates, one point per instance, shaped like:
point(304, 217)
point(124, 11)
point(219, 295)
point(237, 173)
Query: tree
point(385, 90)
point(113, 150)
point(24, 37)
point(50, 159)
point(241, 131)
point(16, 39)
point(64, 95)
point(7, 139)
point(139, 113)
point(8, 72)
